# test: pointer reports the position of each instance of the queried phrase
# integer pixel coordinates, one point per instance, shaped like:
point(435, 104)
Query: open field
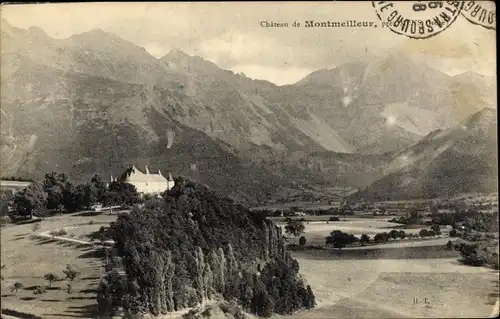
point(387, 288)
point(361, 282)
point(382, 281)
point(28, 259)
point(315, 232)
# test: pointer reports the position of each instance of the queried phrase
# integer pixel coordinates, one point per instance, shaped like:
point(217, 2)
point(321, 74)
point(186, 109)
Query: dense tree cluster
point(58, 193)
point(294, 227)
point(339, 239)
point(471, 218)
point(194, 245)
point(477, 254)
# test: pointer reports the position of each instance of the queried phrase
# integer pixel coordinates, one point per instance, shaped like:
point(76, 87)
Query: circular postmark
point(482, 13)
point(417, 19)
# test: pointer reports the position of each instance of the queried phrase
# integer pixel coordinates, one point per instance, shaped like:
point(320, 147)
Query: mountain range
point(95, 102)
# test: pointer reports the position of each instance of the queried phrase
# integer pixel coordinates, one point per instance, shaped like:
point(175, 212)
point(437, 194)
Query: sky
point(231, 35)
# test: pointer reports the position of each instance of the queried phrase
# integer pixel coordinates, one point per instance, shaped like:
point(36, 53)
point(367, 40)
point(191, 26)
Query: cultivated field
point(315, 231)
point(382, 281)
point(379, 281)
point(387, 288)
point(28, 259)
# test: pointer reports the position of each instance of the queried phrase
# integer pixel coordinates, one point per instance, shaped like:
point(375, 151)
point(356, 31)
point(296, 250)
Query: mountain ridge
point(361, 108)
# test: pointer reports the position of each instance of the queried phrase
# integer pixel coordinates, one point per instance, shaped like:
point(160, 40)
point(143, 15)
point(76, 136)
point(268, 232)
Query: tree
point(57, 187)
point(423, 233)
point(16, 286)
point(70, 273)
point(50, 277)
point(436, 229)
point(339, 239)
point(302, 241)
point(381, 237)
point(449, 245)
point(1, 276)
point(122, 193)
point(69, 290)
point(365, 239)
point(402, 234)
point(394, 234)
point(40, 290)
point(30, 200)
point(36, 226)
point(294, 227)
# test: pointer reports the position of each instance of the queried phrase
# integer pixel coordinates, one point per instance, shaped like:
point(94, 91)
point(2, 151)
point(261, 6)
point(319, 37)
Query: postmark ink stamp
point(417, 19)
point(481, 13)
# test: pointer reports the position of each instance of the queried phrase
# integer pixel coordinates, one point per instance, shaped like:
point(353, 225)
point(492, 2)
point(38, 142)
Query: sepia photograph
point(231, 160)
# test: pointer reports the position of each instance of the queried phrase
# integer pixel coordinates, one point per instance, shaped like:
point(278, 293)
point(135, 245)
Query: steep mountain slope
point(396, 100)
point(461, 159)
point(116, 104)
point(370, 107)
point(222, 104)
point(109, 124)
point(95, 52)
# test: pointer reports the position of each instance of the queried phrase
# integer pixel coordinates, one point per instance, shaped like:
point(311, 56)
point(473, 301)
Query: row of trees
point(57, 192)
point(339, 239)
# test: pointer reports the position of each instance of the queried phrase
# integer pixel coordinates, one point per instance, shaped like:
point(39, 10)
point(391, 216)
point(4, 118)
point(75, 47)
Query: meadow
point(403, 278)
point(28, 259)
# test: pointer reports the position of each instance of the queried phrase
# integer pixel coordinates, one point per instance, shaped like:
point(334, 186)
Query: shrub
point(453, 233)
point(381, 238)
point(302, 241)
point(70, 273)
point(4, 220)
point(61, 232)
point(449, 245)
point(36, 226)
point(364, 239)
point(40, 290)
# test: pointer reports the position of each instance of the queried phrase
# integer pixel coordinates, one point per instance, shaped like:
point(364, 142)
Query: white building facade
point(147, 183)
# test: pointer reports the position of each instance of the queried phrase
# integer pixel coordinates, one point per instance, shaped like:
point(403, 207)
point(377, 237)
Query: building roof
point(132, 174)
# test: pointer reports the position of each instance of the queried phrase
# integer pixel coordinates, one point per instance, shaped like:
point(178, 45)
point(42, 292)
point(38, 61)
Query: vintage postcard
point(292, 160)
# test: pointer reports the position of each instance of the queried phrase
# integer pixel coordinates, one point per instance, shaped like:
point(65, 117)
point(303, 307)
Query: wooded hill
point(193, 245)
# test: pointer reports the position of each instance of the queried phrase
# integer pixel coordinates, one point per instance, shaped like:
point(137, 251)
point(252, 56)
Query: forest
point(193, 245)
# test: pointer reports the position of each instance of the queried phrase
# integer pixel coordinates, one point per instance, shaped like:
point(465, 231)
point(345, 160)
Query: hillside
point(193, 246)
point(335, 126)
point(458, 160)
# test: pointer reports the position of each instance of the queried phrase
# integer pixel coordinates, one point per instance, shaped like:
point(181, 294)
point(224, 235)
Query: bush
point(473, 255)
point(334, 219)
point(302, 241)
point(449, 245)
point(40, 290)
point(453, 233)
point(36, 226)
point(4, 220)
point(61, 232)
point(381, 238)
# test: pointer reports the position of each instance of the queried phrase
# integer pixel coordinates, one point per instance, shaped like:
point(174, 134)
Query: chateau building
point(147, 183)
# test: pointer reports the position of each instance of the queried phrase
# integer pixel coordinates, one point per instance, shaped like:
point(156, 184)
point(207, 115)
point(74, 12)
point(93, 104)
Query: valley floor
point(396, 288)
